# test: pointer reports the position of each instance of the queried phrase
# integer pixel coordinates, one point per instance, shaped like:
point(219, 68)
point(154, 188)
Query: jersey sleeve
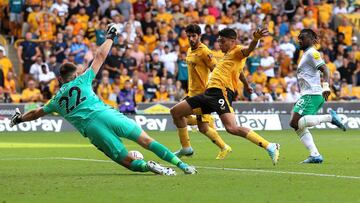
point(239, 52)
point(208, 58)
point(50, 106)
point(88, 76)
point(316, 59)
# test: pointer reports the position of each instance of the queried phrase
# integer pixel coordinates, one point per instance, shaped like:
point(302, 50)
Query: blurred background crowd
point(147, 62)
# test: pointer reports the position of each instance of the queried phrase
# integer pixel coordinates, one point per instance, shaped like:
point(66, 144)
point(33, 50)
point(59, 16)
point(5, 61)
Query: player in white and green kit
point(313, 95)
point(103, 125)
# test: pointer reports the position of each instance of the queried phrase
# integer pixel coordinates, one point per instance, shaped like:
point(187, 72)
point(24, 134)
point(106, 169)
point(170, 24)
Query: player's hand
point(113, 31)
point(326, 90)
point(248, 89)
point(260, 33)
point(326, 95)
point(16, 118)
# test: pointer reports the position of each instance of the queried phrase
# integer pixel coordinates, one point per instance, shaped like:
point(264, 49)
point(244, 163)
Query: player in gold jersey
point(220, 92)
point(200, 63)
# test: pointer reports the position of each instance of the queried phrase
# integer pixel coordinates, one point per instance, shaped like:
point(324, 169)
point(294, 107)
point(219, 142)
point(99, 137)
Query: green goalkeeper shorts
point(309, 104)
point(105, 131)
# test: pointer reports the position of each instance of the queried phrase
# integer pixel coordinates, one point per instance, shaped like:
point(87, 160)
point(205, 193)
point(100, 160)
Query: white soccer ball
point(136, 154)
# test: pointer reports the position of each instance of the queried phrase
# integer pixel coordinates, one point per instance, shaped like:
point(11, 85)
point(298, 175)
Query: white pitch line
point(202, 167)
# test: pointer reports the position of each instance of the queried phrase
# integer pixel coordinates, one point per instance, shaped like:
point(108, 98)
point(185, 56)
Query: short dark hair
point(193, 28)
point(228, 33)
point(67, 70)
point(312, 35)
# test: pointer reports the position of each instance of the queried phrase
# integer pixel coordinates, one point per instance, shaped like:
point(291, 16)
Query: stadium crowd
point(147, 62)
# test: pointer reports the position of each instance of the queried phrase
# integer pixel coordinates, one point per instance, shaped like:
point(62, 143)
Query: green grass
point(23, 179)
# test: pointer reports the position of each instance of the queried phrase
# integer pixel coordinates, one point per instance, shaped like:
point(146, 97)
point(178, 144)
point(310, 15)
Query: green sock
point(139, 166)
point(165, 154)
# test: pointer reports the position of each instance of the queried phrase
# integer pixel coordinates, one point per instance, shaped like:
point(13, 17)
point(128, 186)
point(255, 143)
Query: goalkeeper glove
point(112, 31)
point(16, 118)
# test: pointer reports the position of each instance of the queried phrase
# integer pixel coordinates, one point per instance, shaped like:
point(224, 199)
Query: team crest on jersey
point(316, 55)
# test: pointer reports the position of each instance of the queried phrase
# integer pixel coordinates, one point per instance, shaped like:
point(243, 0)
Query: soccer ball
point(136, 154)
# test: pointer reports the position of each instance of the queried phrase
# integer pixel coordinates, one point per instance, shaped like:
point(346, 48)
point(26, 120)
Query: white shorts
point(15, 17)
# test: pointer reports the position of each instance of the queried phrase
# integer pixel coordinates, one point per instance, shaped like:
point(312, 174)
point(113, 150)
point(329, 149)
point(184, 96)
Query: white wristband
point(325, 87)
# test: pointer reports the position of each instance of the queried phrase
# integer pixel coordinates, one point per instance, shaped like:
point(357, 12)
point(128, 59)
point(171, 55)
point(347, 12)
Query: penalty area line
point(199, 167)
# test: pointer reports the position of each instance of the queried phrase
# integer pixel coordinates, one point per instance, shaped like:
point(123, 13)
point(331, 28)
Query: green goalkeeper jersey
point(77, 102)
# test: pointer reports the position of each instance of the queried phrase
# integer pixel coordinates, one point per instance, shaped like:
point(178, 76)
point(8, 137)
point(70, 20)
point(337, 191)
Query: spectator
point(268, 63)
point(169, 59)
point(253, 61)
point(123, 77)
point(90, 54)
point(27, 53)
point(150, 89)
point(162, 95)
point(170, 89)
point(31, 93)
point(290, 80)
point(347, 71)
point(113, 63)
point(259, 77)
point(127, 99)
point(275, 95)
point(137, 54)
point(60, 7)
point(182, 71)
point(179, 91)
point(9, 83)
point(340, 8)
point(79, 49)
point(45, 78)
point(36, 68)
point(53, 65)
point(125, 9)
point(128, 62)
point(278, 82)
point(15, 9)
point(288, 47)
point(293, 95)
point(104, 90)
point(259, 95)
point(5, 64)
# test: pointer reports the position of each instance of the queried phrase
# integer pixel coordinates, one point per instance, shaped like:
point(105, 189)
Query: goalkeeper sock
point(139, 166)
point(214, 136)
point(164, 153)
point(313, 120)
point(257, 139)
point(191, 120)
point(184, 137)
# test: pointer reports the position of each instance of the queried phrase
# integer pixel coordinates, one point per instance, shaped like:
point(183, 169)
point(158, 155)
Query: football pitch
point(65, 167)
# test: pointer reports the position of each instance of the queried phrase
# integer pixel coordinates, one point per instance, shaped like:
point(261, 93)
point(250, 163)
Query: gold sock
point(191, 120)
point(257, 139)
point(214, 136)
point(212, 123)
point(184, 137)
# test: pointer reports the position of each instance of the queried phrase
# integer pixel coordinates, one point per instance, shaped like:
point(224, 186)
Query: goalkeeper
point(103, 125)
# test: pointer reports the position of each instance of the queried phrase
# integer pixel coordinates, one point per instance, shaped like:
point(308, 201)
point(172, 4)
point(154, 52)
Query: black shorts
point(213, 100)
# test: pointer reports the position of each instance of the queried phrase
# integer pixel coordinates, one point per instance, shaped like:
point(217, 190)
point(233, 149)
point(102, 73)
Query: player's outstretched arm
point(247, 87)
point(28, 116)
point(103, 51)
point(326, 79)
point(258, 34)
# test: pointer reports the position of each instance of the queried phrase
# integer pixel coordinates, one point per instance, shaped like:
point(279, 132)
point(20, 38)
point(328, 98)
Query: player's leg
point(305, 107)
point(313, 103)
point(179, 113)
point(191, 120)
point(229, 122)
point(127, 128)
point(203, 123)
